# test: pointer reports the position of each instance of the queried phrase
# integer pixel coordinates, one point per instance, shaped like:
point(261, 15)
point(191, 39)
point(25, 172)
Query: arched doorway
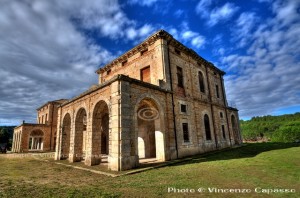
point(65, 142)
point(235, 130)
point(36, 139)
point(80, 135)
point(150, 138)
point(100, 131)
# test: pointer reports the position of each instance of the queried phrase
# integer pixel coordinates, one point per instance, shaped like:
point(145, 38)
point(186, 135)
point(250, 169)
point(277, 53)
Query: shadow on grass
point(246, 151)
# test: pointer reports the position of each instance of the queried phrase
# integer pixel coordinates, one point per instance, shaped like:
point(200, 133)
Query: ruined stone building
point(159, 100)
point(41, 136)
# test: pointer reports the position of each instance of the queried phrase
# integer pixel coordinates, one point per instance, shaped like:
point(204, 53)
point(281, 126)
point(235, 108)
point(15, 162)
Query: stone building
point(159, 100)
point(41, 136)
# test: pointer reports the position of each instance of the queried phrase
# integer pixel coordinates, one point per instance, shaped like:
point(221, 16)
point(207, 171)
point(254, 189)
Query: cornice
point(119, 77)
point(60, 101)
point(32, 124)
point(161, 34)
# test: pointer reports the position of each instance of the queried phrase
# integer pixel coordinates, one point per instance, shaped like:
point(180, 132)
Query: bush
point(286, 134)
point(284, 128)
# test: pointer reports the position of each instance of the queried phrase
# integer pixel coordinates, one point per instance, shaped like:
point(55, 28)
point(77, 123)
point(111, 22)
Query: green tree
point(284, 128)
point(4, 135)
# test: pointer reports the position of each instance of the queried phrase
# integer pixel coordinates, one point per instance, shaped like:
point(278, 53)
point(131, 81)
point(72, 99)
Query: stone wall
point(209, 123)
point(132, 68)
point(22, 134)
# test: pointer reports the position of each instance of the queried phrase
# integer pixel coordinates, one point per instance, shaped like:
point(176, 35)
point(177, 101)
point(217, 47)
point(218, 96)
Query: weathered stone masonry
point(161, 78)
point(159, 100)
point(40, 136)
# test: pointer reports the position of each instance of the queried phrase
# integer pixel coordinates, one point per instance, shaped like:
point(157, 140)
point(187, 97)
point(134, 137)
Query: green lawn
point(257, 165)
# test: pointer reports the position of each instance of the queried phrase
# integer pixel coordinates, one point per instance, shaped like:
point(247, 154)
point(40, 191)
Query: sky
point(50, 49)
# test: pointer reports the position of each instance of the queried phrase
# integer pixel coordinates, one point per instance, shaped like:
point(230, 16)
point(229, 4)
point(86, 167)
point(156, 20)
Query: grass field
point(257, 165)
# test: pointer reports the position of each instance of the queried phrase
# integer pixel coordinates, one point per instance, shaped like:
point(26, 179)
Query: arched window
point(207, 127)
point(201, 82)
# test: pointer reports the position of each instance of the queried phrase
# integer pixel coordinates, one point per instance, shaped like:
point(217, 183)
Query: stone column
point(42, 143)
point(72, 156)
point(20, 142)
point(121, 138)
point(13, 143)
point(31, 143)
point(159, 141)
point(58, 136)
point(90, 158)
point(128, 159)
point(114, 133)
point(165, 63)
point(17, 142)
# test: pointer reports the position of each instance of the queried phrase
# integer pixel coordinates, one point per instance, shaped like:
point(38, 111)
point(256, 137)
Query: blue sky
point(51, 49)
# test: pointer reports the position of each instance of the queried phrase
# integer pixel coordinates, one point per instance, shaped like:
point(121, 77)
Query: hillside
point(284, 128)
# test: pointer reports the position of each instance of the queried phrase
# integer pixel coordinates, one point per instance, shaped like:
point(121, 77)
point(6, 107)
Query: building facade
point(159, 100)
point(41, 136)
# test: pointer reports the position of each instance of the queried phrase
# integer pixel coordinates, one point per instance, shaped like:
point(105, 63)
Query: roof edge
point(113, 79)
point(151, 39)
point(51, 102)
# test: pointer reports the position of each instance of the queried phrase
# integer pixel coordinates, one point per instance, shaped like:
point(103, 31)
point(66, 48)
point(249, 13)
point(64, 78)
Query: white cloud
point(222, 13)
point(138, 34)
point(266, 78)
point(287, 12)
point(243, 26)
point(174, 32)
point(194, 38)
point(198, 41)
point(44, 56)
point(160, 7)
point(131, 33)
point(188, 35)
point(215, 15)
point(264, 1)
point(202, 7)
point(145, 30)
point(179, 13)
point(143, 2)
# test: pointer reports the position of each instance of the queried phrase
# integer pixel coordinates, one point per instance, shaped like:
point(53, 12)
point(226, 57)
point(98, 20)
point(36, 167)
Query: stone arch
point(36, 140)
point(66, 132)
point(103, 99)
point(100, 131)
point(65, 113)
point(149, 126)
point(150, 97)
point(80, 134)
point(234, 127)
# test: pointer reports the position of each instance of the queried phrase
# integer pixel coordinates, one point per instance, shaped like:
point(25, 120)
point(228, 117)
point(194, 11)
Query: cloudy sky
point(50, 49)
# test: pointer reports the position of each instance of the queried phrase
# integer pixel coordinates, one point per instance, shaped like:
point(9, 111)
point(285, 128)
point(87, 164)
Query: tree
point(4, 136)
